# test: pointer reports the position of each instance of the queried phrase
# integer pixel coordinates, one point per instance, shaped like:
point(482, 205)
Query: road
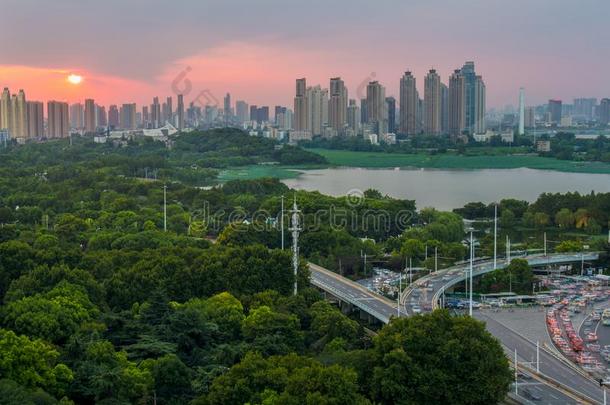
point(550, 365)
point(374, 304)
point(433, 285)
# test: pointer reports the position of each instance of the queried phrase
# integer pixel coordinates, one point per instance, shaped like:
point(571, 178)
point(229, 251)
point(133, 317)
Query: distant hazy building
point(584, 108)
point(227, 110)
point(77, 116)
point(169, 110)
point(241, 111)
point(432, 103)
point(521, 111)
point(480, 126)
point(113, 116)
point(301, 113)
point(317, 109)
point(409, 100)
point(457, 103)
point(101, 116)
point(530, 117)
point(337, 104)
point(90, 124)
point(353, 116)
point(444, 108)
point(364, 111)
point(390, 103)
point(58, 123)
point(604, 111)
point(376, 107)
point(554, 111)
point(128, 116)
point(180, 112)
point(5, 109)
point(35, 119)
point(155, 113)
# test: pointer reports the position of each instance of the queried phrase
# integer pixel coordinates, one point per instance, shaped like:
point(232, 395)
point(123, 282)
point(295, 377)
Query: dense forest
point(101, 305)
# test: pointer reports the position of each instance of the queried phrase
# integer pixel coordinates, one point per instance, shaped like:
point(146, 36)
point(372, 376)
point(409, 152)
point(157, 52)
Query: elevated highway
point(558, 377)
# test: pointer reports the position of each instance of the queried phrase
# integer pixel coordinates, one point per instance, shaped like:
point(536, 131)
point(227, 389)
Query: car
point(416, 310)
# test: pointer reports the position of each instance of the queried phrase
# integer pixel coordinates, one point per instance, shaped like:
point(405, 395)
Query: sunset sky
point(131, 50)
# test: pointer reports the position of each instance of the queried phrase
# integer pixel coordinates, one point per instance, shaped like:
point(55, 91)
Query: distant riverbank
point(343, 158)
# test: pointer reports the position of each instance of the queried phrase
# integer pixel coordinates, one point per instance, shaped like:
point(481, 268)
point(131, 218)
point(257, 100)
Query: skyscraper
point(317, 109)
point(337, 104)
point(364, 111)
point(101, 117)
point(480, 126)
point(470, 77)
point(584, 108)
point(301, 114)
point(530, 117)
point(554, 111)
point(113, 116)
point(432, 103)
point(390, 103)
point(90, 115)
point(353, 116)
point(58, 123)
point(457, 103)
point(77, 116)
point(35, 119)
point(169, 110)
point(521, 111)
point(19, 114)
point(241, 110)
point(228, 111)
point(155, 113)
point(5, 109)
point(180, 112)
point(604, 111)
point(444, 108)
point(128, 116)
point(409, 100)
point(376, 106)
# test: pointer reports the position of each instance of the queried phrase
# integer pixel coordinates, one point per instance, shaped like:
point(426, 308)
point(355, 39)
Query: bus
point(606, 317)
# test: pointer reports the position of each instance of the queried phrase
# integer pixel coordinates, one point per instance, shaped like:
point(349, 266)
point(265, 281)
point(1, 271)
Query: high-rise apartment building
point(128, 116)
point(58, 123)
point(90, 111)
point(444, 108)
point(409, 99)
point(337, 104)
point(113, 116)
point(155, 113)
point(241, 111)
point(390, 103)
point(480, 126)
point(554, 111)
point(101, 116)
point(317, 109)
point(584, 108)
point(180, 112)
point(5, 109)
point(301, 114)
point(457, 103)
point(604, 111)
point(35, 119)
point(529, 120)
point(77, 116)
point(169, 110)
point(18, 122)
point(364, 111)
point(353, 116)
point(376, 107)
point(432, 103)
point(228, 110)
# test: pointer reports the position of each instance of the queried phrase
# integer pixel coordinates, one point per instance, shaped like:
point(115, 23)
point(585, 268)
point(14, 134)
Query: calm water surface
point(448, 189)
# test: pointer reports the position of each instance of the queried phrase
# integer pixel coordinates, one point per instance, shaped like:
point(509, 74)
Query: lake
point(448, 189)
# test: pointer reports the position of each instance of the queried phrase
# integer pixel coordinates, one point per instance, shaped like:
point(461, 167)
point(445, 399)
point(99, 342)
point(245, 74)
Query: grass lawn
point(258, 171)
point(452, 161)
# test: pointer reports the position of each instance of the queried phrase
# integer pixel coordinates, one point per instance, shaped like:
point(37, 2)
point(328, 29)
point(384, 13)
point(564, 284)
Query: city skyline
point(258, 58)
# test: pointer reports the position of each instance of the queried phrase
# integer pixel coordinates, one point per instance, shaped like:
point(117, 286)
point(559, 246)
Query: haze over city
point(132, 51)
